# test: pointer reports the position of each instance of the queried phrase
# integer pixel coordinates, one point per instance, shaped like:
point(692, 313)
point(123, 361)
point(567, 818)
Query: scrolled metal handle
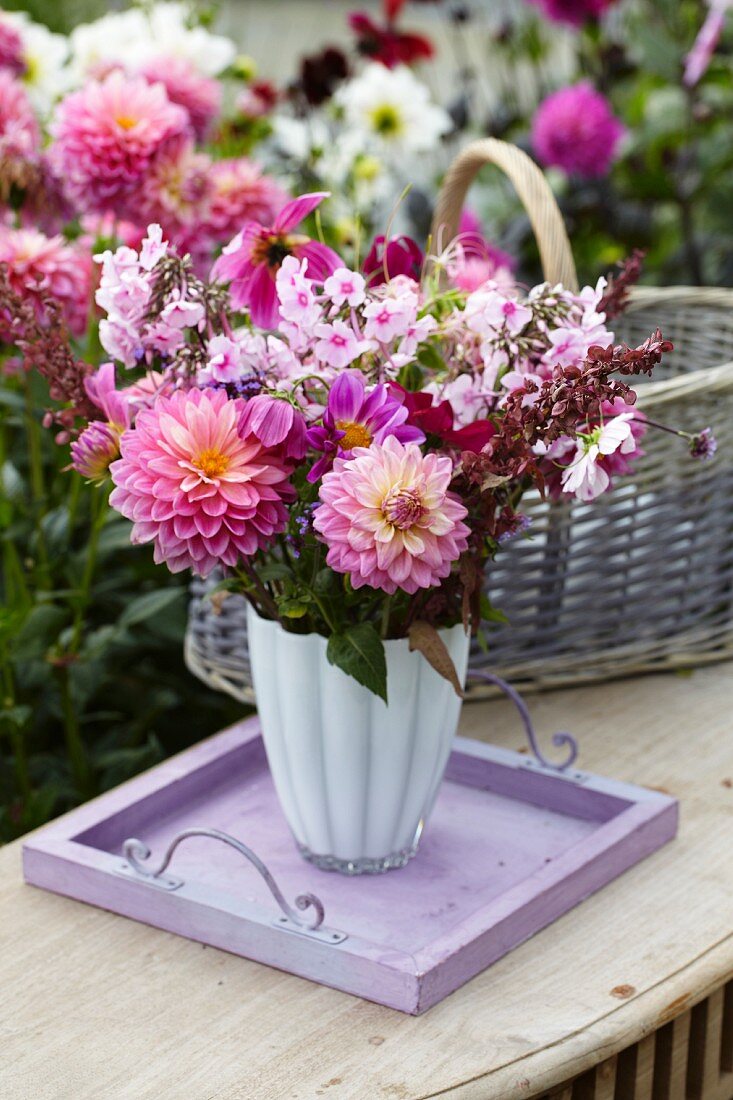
point(558, 739)
point(137, 853)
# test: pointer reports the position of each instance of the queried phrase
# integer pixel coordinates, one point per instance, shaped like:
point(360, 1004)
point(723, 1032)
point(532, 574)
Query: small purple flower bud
point(94, 450)
point(703, 445)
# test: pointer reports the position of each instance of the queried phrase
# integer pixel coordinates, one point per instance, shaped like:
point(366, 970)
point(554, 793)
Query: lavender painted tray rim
point(623, 823)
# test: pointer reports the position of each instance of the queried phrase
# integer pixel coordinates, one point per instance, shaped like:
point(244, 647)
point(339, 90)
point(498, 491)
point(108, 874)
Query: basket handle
point(533, 189)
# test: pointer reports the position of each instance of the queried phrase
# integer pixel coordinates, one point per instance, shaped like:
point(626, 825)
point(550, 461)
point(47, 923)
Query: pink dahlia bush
point(348, 454)
point(576, 130)
point(38, 266)
point(107, 137)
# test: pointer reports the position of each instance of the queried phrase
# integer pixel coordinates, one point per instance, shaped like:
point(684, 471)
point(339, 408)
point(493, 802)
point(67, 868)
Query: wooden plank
point(713, 1037)
point(631, 958)
point(606, 1080)
point(680, 1052)
point(644, 1069)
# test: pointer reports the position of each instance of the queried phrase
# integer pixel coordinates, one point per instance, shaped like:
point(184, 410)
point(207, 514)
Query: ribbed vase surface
point(356, 778)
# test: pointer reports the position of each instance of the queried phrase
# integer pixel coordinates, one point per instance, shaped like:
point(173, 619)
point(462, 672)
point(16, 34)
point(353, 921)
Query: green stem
point(38, 488)
point(75, 747)
point(98, 516)
point(17, 742)
point(386, 610)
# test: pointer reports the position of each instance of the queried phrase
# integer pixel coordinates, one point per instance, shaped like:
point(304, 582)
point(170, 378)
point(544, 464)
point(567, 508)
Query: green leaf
point(359, 652)
point(430, 357)
point(411, 377)
point(489, 613)
point(152, 603)
point(292, 609)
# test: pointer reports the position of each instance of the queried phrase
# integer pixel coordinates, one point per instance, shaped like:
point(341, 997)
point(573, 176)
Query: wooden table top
point(93, 1006)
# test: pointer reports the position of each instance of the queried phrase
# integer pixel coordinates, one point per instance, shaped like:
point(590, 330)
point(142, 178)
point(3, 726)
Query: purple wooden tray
point(510, 847)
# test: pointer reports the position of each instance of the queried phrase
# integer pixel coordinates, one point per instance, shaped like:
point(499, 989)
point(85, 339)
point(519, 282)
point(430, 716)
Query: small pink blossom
point(345, 287)
point(337, 346)
point(389, 318)
point(296, 295)
point(489, 313)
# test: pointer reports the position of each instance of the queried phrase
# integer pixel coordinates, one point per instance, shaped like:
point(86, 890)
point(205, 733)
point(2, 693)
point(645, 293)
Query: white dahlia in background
point(135, 38)
point(393, 110)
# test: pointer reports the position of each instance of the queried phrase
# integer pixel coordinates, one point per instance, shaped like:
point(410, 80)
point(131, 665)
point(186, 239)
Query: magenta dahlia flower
point(20, 136)
point(357, 417)
point(252, 260)
point(199, 95)
point(576, 130)
point(174, 192)
point(388, 518)
point(36, 263)
point(107, 136)
point(195, 483)
point(572, 12)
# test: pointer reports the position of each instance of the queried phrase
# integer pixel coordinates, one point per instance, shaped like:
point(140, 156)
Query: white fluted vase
point(356, 778)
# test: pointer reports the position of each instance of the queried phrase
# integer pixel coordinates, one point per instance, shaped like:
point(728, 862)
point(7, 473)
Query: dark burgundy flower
point(400, 256)
point(437, 419)
point(387, 44)
point(320, 74)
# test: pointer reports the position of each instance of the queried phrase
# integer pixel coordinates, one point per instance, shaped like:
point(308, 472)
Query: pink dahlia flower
point(174, 193)
point(239, 193)
point(204, 490)
point(388, 518)
point(20, 136)
point(50, 264)
point(199, 95)
point(252, 260)
point(107, 136)
point(576, 130)
point(572, 12)
point(95, 449)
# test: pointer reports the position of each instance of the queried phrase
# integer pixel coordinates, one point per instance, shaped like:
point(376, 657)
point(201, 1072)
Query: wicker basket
point(640, 580)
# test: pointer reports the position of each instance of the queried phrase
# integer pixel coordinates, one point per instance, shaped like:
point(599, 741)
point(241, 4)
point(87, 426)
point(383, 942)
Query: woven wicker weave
point(640, 580)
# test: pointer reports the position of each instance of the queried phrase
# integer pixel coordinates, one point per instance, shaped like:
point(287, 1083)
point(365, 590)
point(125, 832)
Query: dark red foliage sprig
point(616, 298)
point(37, 329)
point(559, 406)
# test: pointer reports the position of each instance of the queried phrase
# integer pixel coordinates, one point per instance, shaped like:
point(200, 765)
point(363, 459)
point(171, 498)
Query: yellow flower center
point(356, 435)
point(386, 120)
point(126, 122)
point(403, 507)
point(212, 463)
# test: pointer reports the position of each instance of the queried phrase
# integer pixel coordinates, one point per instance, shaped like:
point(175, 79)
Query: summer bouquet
point(351, 452)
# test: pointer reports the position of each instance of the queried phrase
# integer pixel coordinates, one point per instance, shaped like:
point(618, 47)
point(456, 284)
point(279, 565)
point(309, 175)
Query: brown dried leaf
point(425, 638)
